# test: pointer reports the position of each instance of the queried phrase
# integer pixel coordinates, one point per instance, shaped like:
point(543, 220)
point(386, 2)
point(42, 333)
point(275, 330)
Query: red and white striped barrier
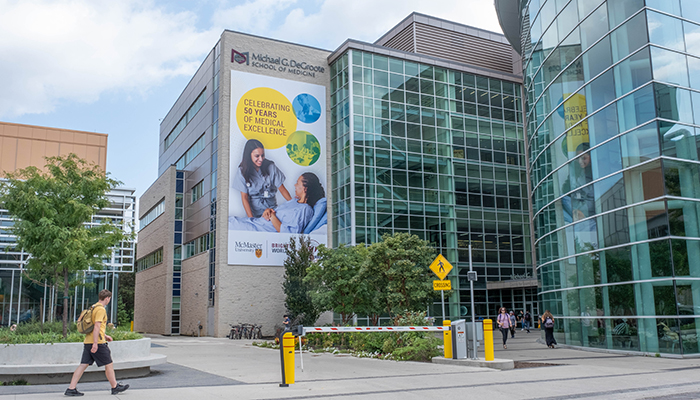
point(339, 329)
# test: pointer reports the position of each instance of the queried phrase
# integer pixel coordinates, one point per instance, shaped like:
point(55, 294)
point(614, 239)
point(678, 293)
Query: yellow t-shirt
point(99, 314)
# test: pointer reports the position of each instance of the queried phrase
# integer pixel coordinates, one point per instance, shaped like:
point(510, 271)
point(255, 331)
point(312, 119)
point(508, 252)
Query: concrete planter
point(55, 363)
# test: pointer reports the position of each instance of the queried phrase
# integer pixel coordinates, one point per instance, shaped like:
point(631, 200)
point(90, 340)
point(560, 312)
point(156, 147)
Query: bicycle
point(257, 332)
point(235, 332)
point(245, 331)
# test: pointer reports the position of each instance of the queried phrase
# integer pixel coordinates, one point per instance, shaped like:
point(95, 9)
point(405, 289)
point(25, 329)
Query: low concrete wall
point(55, 363)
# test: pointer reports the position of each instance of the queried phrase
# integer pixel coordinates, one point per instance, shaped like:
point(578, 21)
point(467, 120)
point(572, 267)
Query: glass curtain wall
point(437, 153)
point(612, 116)
point(24, 300)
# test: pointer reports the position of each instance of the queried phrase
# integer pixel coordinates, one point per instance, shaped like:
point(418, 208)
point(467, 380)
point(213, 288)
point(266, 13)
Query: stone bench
point(55, 363)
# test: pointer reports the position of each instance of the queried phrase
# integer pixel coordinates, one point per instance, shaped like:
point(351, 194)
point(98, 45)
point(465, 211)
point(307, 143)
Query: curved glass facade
point(613, 127)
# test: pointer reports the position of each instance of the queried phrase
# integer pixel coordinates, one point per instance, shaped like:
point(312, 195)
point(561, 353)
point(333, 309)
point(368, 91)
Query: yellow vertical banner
point(574, 112)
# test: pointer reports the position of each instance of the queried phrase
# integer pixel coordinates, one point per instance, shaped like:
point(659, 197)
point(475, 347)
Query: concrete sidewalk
point(212, 368)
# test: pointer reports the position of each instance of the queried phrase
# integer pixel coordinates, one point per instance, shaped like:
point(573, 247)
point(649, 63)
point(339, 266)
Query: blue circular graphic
point(306, 108)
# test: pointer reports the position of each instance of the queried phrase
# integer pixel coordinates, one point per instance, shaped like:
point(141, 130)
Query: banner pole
point(301, 355)
point(471, 290)
point(442, 293)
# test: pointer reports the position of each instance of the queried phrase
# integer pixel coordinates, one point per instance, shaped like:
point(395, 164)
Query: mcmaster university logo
point(239, 57)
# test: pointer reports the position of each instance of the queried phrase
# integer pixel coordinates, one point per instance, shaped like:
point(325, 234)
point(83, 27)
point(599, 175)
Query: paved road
point(209, 368)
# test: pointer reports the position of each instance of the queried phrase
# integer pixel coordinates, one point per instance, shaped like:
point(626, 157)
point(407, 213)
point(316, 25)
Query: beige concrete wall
point(27, 145)
point(151, 303)
point(252, 294)
point(153, 288)
point(193, 295)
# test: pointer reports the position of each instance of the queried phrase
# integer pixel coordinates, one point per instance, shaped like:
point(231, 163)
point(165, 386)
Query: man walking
point(95, 349)
point(527, 318)
point(521, 320)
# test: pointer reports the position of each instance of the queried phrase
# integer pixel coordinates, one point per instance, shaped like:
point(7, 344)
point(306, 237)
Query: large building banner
point(277, 185)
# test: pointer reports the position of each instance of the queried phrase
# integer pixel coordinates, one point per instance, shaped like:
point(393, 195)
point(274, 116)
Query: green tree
point(398, 272)
point(300, 256)
point(51, 210)
point(336, 283)
point(125, 306)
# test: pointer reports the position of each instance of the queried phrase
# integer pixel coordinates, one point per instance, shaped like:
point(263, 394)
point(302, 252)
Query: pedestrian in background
point(513, 324)
point(527, 320)
point(503, 322)
point(520, 319)
point(547, 322)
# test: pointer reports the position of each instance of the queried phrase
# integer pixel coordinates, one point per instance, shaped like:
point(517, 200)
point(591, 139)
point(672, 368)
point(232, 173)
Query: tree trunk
point(65, 303)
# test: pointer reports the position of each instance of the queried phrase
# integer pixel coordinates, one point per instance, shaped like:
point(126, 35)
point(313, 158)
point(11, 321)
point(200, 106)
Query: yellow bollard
point(488, 340)
point(287, 355)
point(132, 326)
point(447, 338)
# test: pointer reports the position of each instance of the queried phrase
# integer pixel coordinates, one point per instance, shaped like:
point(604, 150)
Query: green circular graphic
point(303, 148)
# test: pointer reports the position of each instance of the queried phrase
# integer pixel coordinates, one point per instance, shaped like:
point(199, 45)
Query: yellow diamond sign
point(441, 267)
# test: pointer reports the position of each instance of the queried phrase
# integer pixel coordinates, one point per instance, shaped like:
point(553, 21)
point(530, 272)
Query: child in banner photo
point(258, 179)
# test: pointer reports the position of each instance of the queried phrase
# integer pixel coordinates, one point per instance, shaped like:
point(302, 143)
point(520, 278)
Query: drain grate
point(526, 364)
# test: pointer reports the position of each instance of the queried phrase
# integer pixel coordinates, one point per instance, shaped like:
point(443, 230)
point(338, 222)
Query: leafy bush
point(267, 344)
point(371, 342)
point(419, 349)
point(53, 333)
point(18, 382)
point(402, 346)
point(122, 334)
point(35, 327)
point(324, 340)
point(412, 318)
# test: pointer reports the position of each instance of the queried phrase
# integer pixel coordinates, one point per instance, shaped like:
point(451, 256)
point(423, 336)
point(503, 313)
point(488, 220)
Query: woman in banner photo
point(503, 322)
point(258, 180)
point(289, 217)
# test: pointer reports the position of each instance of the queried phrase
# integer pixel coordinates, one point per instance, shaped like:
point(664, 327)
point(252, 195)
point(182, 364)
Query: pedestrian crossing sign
point(441, 267)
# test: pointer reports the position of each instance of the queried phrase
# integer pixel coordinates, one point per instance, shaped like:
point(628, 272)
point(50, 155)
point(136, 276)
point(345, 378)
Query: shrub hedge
point(52, 332)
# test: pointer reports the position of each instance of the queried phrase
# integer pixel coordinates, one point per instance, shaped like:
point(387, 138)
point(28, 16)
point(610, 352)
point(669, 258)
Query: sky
point(116, 67)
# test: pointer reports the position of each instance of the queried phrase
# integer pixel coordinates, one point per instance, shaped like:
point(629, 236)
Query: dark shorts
point(102, 356)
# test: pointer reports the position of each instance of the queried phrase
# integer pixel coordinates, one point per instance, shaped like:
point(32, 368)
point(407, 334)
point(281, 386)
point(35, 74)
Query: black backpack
point(527, 317)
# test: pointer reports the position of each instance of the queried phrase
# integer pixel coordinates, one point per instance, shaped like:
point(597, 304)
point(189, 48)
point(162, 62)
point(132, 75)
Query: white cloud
point(328, 23)
point(75, 50)
point(253, 16)
point(62, 52)
point(334, 21)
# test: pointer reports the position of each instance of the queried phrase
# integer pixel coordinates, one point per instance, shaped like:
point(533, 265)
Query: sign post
point(472, 277)
point(441, 267)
